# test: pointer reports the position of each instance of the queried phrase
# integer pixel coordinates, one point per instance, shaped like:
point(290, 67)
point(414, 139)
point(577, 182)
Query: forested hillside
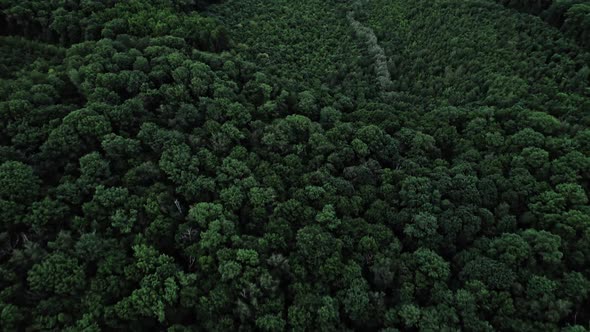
point(310, 165)
point(572, 17)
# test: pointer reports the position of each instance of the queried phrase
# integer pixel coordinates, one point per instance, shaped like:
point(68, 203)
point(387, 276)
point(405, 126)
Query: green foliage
point(570, 16)
point(57, 274)
point(18, 182)
point(383, 165)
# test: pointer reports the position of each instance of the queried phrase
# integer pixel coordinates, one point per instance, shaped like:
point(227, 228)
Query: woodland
point(281, 165)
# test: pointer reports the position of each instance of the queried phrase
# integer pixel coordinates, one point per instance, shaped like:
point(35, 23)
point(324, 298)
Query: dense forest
point(571, 16)
point(280, 165)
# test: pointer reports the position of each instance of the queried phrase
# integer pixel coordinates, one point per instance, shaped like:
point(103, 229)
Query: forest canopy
point(311, 165)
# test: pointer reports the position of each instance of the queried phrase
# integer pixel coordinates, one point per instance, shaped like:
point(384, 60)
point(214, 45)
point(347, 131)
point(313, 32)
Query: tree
point(20, 186)
point(18, 182)
point(328, 217)
point(57, 274)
